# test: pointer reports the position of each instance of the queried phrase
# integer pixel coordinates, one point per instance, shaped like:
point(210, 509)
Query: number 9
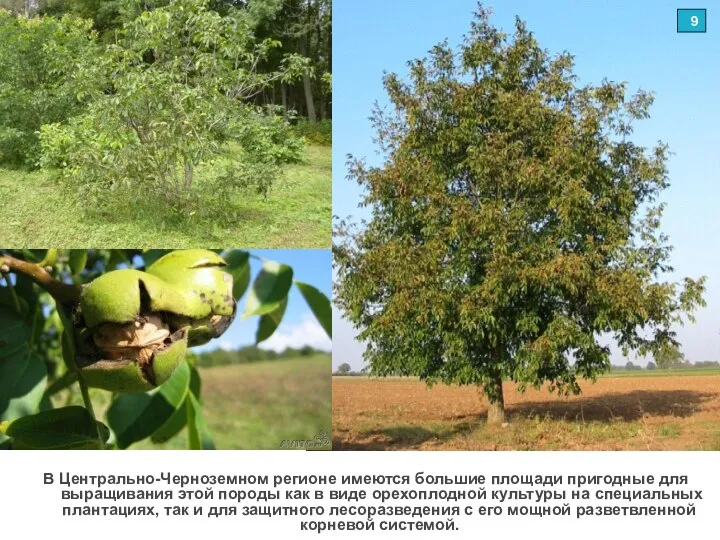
point(694, 20)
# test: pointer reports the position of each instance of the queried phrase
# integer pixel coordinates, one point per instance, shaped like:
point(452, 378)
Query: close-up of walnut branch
point(62, 292)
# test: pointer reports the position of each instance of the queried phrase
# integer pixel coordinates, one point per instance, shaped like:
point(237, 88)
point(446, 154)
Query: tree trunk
point(329, 49)
point(283, 93)
point(188, 174)
point(305, 51)
point(307, 84)
point(496, 401)
point(316, 62)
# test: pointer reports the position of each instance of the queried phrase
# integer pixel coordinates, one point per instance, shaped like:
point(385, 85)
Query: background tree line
point(651, 366)
point(250, 354)
point(345, 369)
point(303, 27)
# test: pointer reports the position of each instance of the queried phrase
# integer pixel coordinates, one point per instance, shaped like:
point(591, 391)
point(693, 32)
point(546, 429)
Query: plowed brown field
point(624, 413)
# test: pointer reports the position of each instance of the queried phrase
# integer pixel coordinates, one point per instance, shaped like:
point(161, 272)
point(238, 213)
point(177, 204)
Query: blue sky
point(298, 326)
point(622, 41)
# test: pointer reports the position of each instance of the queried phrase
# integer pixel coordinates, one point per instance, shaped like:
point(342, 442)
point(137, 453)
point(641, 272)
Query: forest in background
point(303, 27)
point(252, 353)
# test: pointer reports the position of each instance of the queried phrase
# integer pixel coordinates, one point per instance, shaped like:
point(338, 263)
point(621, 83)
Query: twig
point(64, 293)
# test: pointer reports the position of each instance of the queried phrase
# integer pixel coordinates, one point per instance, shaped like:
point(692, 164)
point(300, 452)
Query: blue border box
point(683, 21)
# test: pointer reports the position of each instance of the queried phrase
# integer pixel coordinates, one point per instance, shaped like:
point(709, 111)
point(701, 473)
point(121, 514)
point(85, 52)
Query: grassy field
point(664, 373)
point(673, 411)
point(297, 214)
point(257, 406)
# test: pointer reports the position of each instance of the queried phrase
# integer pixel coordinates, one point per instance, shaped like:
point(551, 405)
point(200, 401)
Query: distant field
point(663, 372)
point(297, 214)
point(672, 411)
point(257, 406)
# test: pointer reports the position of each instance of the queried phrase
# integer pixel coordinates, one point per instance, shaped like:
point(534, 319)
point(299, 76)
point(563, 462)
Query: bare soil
point(624, 413)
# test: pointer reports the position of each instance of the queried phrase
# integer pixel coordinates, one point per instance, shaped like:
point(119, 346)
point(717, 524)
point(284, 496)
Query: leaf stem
point(89, 406)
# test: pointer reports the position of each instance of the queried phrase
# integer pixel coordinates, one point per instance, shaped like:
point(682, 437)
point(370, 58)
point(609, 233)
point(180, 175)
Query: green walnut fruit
point(126, 340)
point(134, 328)
point(207, 289)
point(132, 357)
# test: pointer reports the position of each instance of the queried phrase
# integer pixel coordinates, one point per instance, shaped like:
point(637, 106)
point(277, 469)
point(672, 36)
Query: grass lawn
point(252, 406)
point(297, 214)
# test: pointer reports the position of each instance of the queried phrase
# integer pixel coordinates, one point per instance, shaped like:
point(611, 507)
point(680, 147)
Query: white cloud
point(227, 345)
point(308, 332)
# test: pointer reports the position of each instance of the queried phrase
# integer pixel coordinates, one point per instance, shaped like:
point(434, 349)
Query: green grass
point(255, 406)
point(671, 430)
point(520, 434)
point(663, 372)
point(526, 434)
point(297, 214)
point(532, 434)
point(259, 405)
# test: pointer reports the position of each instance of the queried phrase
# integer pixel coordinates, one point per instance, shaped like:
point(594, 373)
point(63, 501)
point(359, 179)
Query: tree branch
point(62, 292)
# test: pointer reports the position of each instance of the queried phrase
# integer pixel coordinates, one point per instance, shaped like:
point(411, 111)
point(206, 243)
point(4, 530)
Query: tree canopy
point(303, 26)
point(513, 223)
point(669, 356)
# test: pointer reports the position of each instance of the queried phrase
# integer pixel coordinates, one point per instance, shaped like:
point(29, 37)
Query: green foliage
point(317, 133)
point(21, 7)
point(669, 356)
point(305, 28)
point(134, 417)
point(198, 433)
point(513, 222)
point(23, 374)
point(66, 428)
point(37, 60)
point(319, 304)
point(270, 288)
point(104, 14)
point(45, 295)
point(344, 369)
point(179, 418)
point(108, 16)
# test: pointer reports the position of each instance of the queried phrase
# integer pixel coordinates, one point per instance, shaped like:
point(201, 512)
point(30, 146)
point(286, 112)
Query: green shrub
point(40, 62)
point(169, 97)
point(318, 133)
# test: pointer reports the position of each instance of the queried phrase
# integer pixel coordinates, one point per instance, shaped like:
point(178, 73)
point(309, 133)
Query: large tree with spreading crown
point(514, 226)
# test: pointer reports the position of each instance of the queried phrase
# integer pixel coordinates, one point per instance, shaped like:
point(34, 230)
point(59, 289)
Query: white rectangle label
point(339, 494)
